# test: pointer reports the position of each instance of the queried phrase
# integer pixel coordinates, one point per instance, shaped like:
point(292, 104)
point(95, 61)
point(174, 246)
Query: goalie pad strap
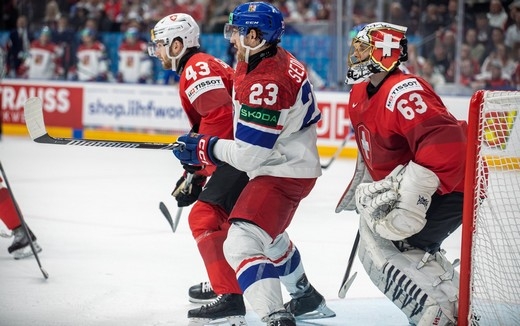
point(423, 286)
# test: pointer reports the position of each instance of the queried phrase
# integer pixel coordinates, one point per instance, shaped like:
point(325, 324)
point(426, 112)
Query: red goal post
point(489, 291)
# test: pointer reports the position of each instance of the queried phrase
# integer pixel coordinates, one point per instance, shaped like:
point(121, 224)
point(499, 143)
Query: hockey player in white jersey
point(91, 59)
point(134, 65)
point(275, 117)
point(44, 59)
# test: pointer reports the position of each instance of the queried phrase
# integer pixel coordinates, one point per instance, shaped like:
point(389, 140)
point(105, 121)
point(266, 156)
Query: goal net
point(490, 251)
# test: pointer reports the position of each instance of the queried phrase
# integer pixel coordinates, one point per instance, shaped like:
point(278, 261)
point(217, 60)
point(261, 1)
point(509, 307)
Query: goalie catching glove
point(187, 196)
point(395, 207)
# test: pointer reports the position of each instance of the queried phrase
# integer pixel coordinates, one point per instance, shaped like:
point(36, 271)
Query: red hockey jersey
point(405, 120)
point(205, 90)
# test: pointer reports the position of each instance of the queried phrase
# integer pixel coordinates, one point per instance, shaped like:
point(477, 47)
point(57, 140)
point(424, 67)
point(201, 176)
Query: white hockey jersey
point(134, 64)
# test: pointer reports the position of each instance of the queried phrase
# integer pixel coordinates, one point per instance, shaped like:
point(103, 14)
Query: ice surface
point(113, 259)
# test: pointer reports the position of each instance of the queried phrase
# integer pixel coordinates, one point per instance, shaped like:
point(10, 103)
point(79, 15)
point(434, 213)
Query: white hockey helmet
point(171, 27)
point(377, 47)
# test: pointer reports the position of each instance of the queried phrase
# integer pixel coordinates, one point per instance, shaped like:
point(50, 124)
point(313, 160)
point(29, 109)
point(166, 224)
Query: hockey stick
point(33, 112)
point(336, 154)
point(347, 282)
point(22, 221)
point(166, 212)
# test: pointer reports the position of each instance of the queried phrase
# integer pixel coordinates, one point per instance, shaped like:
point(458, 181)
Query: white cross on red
point(387, 45)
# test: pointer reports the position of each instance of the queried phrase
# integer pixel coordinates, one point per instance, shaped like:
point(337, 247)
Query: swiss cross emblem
point(386, 46)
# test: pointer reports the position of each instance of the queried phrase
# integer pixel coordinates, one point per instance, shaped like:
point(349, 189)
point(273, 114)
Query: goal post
point(489, 291)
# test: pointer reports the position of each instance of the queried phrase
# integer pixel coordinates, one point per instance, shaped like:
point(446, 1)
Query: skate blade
point(202, 301)
point(225, 321)
point(321, 312)
point(26, 251)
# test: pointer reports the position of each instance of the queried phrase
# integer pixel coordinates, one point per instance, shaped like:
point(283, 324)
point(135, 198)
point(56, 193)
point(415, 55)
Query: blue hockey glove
point(196, 149)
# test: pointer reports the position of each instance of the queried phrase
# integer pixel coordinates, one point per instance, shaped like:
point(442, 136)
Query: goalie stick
point(166, 212)
point(33, 113)
point(22, 221)
point(347, 282)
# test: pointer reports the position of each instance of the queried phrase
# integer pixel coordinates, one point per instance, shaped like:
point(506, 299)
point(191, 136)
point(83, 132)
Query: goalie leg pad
point(423, 286)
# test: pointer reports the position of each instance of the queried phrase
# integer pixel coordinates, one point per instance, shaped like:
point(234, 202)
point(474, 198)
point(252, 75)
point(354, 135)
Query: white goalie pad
point(347, 202)
point(423, 286)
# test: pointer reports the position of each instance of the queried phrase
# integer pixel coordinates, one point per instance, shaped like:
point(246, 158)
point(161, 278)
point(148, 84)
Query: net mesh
point(495, 252)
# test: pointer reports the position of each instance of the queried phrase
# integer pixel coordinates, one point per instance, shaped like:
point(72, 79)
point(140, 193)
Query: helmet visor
point(154, 47)
point(229, 29)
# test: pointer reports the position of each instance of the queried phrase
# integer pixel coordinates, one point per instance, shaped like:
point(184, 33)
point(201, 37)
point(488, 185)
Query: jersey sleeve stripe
point(255, 137)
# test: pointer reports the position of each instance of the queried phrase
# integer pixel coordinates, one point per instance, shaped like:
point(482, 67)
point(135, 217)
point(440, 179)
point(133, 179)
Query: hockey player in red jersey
point(275, 117)
point(20, 248)
point(408, 184)
point(205, 90)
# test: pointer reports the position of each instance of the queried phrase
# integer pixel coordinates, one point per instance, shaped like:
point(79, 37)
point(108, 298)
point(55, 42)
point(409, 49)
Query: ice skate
point(226, 309)
point(280, 318)
point(310, 305)
point(21, 248)
point(201, 293)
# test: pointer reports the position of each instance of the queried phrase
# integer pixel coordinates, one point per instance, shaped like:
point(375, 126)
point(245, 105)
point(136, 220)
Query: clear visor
point(153, 48)
point(229, 29)
point(359, 52)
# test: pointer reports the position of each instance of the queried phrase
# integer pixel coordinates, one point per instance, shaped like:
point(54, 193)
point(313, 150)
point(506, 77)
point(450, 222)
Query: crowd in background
point(68, 31)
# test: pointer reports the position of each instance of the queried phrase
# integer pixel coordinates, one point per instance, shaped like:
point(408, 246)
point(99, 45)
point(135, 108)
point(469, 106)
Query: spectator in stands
point(467, 73)
point(194, 8)
point(512, 36)
point(483, 29)
point(495, 80)
point(112, 9)
point(515, 78)
point(44, 59)
point(65, 37)
point(78, 17)
point(432, 76)
point(91, 59)
point(301, 12)
point(52, 14)
point(323, 10)
point(18, 46)
point(396, 14)
point(478, 50)
point(430, 23)
point(415, 61)
point(439, 59)
point(10, 13)
point(134, 65)
point(501, 56)
point(220, 16)
point(497, 15)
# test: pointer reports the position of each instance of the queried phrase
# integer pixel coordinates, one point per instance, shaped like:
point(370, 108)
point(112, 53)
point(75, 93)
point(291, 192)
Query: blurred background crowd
point(458, 46)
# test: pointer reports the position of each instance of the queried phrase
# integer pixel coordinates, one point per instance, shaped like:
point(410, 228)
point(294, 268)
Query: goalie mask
point(171, 27)
point(377, 47)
